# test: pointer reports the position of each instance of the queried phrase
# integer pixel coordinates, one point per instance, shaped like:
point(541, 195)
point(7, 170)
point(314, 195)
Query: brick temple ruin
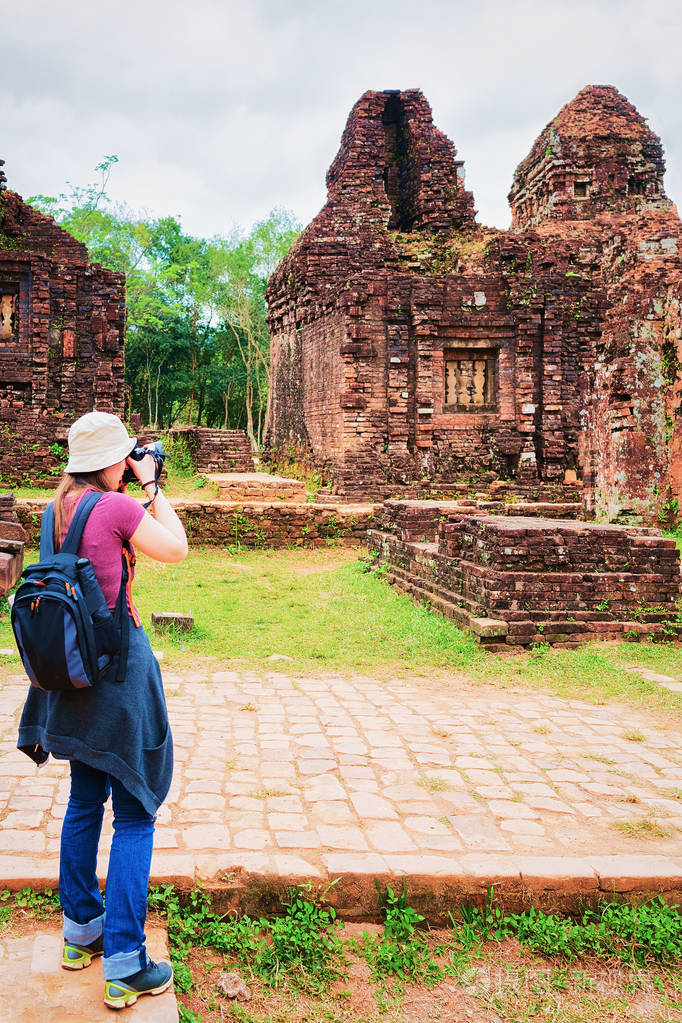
point(61, 339)
point(414, 350)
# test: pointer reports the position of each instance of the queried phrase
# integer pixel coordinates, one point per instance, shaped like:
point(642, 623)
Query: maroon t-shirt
point(114, 518)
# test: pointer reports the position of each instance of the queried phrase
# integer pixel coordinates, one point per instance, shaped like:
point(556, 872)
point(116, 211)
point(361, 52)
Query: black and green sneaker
point(77, 957)
point(154, 979)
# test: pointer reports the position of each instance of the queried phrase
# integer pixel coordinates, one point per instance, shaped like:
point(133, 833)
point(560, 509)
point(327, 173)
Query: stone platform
point(257, 486)
point(452, 785)
point(35, 989)
point(514, 580)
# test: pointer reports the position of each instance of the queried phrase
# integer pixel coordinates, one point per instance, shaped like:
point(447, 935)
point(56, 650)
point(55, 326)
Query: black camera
point(137, 454)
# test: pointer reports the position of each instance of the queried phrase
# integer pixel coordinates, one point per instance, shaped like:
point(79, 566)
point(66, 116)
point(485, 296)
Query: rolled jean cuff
point(82, 934)
point(124, 964)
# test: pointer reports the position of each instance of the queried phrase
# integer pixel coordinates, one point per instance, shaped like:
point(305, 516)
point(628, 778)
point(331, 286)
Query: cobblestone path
point(325, 776)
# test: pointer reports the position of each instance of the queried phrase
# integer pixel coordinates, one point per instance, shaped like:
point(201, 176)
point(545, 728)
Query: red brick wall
point(65, 357)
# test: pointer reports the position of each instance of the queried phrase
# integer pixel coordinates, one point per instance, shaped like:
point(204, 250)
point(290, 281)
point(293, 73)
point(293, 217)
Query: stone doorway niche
point(16, 369)
point(470, 379)
point(9, 311)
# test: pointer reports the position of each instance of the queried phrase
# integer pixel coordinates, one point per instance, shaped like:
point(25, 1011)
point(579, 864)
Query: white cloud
point(221, 110)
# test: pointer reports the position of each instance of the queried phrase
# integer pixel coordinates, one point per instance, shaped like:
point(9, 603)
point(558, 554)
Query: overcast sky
point(220, 110)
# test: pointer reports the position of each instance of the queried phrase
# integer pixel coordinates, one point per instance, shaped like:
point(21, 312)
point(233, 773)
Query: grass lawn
point(196, 488)
point(325, 611)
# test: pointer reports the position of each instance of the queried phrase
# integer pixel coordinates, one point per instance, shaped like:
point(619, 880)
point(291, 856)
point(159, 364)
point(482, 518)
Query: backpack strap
point(47, 532)
point(73, 537)
point(121, 612)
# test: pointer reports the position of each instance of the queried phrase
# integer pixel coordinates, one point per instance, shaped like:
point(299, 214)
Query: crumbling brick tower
point(595, 179)
point(61, 338)
point(408, 343)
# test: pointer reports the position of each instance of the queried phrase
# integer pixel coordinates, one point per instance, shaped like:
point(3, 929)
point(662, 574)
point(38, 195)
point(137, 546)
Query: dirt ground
point(503, 983)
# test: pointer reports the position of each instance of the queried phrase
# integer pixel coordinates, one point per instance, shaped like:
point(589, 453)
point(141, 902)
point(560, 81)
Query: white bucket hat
point(96, 441)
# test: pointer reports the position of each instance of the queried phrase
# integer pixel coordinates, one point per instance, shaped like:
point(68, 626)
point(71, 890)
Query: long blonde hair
point(71, 484)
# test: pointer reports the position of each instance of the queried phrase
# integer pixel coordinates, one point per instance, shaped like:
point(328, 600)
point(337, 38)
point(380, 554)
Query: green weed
point(636, 935)
point(478, 925)
point(645, 828)
point(402, 950)
point(40, 904)
point(304, 944)
point(188, 1015)
point(432, 782)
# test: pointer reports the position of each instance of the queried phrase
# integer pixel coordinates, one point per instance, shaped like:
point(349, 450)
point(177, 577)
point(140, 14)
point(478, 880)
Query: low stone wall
point(252, 525)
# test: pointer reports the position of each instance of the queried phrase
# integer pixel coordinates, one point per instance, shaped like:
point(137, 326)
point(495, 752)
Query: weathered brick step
point(439, 885)
point(407, 576)
point(483, 628)
point(257, 486)
point(525, 626)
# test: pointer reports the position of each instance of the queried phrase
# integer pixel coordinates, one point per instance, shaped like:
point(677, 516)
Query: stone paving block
point(491, 868)
point(415, 866)
point(200, 836)
point(565, 873)
point(323, 786)
point(426, 826)
point(508, 810)
point(648, 674)
point(22, 819)
point(286, 866)
point(250, 838)
point(297, 839)
point(338, 864)
point(316, 767)
point(367, 805)
point(522, 826)
point(203, 801)
point(549, 805)
point(342, 837)
point(389, 835)
point(21, 841)
point(286, 821)
point(332, 811)
point(626, 873)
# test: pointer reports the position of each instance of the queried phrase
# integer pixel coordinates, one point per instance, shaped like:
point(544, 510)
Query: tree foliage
point(197, 345)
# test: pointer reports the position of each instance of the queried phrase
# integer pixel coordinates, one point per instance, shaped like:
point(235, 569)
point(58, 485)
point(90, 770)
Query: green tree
point(244, 273)
point(197, 345)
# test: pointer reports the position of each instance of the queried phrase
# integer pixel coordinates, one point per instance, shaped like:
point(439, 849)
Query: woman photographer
point(116, 734)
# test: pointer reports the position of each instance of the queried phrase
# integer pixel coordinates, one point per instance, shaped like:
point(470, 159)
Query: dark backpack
point(66, 634)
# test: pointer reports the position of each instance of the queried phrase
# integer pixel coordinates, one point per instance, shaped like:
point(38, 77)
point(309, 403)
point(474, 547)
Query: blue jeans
point(127, 878)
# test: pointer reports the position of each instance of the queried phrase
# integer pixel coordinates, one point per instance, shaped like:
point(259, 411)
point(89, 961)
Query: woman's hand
point(145, 469)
